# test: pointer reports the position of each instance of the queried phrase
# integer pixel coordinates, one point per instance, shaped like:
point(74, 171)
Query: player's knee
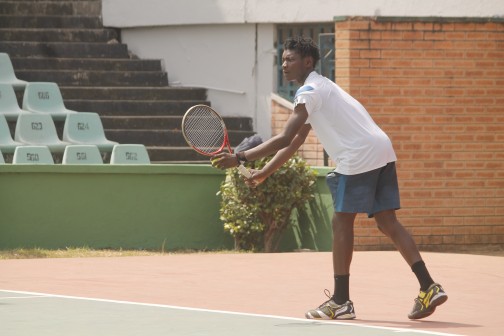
point(343, 223)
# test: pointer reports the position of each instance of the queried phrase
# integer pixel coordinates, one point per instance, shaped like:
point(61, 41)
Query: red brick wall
point(437, 89)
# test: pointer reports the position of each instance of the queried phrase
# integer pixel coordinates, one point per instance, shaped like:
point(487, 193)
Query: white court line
point(23, 297)
point(397, 330)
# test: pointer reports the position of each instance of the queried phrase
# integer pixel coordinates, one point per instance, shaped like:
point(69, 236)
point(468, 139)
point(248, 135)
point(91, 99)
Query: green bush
point(256, 217)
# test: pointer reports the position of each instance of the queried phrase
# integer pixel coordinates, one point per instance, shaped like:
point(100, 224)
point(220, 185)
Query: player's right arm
point(282, 140)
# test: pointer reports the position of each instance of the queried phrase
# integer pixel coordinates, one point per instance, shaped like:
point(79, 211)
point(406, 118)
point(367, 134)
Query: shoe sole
point(345, 317)
point(341, 317)
point(435, 303)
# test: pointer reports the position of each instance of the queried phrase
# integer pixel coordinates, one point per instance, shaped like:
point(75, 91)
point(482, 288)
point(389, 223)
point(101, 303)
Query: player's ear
point(308, 61)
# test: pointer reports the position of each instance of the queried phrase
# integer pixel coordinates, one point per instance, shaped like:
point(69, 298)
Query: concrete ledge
point(157, 207)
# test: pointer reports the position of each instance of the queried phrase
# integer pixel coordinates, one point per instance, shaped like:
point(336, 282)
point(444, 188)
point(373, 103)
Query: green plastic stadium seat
point(38, 129)
point(8, 103)
point(7, 74)
point(7, 144)
point(82, 154)
point(43, 97)
point(129, 154)
point(86, 128)
point(32, 155)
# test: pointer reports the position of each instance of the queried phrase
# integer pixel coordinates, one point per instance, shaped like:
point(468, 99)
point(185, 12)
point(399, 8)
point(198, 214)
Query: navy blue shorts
point(369, 192)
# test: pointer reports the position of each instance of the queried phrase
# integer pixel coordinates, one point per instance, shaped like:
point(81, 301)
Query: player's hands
point(224, 160)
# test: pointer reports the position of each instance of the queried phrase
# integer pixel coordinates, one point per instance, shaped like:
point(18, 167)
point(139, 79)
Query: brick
point(375, 35)
point(401, 26)
point(370, 72)
point(358, 44)
point(456, 35)
point(422, 63)
point(359, 25)
point(423, 26)
point(438, 35)
point(370, 54)
point(391, 53)
point(477, 35)
point(346, 35)
point(483, 44)
point(413, 35)
point(423, 45)
point(392, 35)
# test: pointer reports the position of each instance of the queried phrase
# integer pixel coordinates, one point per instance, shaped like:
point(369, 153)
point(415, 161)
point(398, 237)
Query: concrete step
point(96, 64)
point(133, 108)
point(64, 50)
point(49, 21)
point(172, 138)
point(167, 122)
point(58, 35)
point(98, 78)
point(133, 93)
point(23, 7)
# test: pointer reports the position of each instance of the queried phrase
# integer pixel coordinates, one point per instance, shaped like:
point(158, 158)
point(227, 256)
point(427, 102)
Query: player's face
point(294, 67)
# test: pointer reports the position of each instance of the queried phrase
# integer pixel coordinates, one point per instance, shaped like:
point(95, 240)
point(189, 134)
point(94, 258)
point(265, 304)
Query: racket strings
point(204, 130)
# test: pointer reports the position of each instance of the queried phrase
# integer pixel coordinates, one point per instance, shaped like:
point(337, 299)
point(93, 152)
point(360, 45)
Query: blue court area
point(27, 314)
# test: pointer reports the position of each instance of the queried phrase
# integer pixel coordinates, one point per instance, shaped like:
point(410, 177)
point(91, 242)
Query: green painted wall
point(157, 207)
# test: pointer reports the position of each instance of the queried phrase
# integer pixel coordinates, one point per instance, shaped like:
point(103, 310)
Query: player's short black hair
point(304, 46)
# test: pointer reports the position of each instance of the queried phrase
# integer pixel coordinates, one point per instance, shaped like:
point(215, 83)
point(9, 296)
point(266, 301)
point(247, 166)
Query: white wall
point(138, 13)
point(227, 46)
point(235, 66)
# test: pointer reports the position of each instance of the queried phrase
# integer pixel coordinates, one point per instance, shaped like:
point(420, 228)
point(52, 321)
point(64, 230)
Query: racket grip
point(244, 171)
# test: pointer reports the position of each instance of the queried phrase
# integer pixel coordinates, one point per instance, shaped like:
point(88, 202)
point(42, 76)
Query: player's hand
point(224, 160)
point(257, 178)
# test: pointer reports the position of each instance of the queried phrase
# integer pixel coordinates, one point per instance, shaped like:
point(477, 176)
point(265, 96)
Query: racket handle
point(244, 171)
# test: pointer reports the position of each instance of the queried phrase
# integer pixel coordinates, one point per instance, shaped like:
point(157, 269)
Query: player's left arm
point(282, 156)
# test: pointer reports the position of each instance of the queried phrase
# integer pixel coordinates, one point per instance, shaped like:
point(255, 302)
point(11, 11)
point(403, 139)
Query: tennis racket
point(205, 131)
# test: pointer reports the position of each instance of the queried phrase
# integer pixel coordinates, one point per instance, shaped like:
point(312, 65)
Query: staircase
point(64, 41)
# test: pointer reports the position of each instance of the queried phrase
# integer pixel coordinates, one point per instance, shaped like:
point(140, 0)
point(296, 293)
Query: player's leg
point(351, 194)
point(343, 241)
point(386, 202)
point(388, 224)
point(339, 305)
point(431, 294)
point(342, 253)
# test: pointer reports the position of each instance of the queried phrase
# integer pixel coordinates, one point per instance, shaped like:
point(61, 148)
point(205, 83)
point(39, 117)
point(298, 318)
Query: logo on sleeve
point(304, 88)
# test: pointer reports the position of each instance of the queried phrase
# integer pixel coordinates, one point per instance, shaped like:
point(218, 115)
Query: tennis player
point(364, 180)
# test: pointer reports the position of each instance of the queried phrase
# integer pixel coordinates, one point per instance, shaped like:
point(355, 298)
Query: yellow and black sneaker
point(330, 310)
point(426, 302)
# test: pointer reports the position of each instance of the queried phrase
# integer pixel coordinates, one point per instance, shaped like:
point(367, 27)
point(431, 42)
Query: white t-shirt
point(344, 127)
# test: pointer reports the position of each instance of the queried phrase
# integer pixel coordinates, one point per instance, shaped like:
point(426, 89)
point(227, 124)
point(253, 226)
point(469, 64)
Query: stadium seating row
point(80, 154)
point(42, 106)
point(38, 97)
point(81, 128)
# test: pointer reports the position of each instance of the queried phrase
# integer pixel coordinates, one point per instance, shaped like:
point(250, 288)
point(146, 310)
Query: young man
point(364, 180)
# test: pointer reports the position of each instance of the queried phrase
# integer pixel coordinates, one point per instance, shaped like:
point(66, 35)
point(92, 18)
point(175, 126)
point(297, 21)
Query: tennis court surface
point(242, 294)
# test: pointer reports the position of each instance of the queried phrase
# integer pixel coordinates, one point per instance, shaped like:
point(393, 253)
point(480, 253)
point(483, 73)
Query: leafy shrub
point(256, 217)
